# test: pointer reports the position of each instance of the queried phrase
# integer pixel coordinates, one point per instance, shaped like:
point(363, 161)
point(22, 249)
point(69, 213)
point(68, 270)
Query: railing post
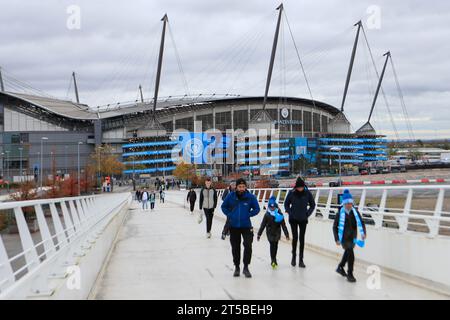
point(28, 247)
point(362, 200)
point(328, 206)
point(317, 203)
point(76, 219)
point(49, 245)
point(67, 220)
point(433, 224)
point(403, 218)
point(379, 218)
point(60, 234)
point(6, 273)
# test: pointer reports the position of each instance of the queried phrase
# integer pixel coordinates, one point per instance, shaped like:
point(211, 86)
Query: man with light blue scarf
point(347, 224)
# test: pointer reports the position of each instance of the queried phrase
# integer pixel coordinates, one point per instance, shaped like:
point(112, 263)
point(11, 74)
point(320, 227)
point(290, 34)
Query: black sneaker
point(246, 272)
point(293, 263)
point(237, 272)
point(224, 236)
point(341, 271)
point(301, 264)
point(351, 278)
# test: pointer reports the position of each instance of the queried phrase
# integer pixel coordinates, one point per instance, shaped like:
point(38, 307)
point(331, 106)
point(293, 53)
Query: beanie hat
point(347, 197)
point(240, 181)
point(272, 201)
point(299, 183)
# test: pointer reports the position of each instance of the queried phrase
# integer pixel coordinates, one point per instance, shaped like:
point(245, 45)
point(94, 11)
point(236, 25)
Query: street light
point(65, 161)
point(3, 164)
point(42, 160)
point(7, 164)
point(21, 170)
point(338, 150)
point(78, 158)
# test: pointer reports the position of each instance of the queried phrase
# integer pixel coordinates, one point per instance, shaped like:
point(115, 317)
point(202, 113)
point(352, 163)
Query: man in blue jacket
point(239, 206)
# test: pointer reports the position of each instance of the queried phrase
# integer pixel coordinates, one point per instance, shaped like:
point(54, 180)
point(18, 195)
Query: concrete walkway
point(164, 254)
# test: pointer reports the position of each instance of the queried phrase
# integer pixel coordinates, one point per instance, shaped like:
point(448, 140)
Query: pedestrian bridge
point(107, 247)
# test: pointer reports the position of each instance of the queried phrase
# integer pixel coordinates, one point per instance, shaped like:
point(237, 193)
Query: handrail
point(430, 220)
point(83, 221)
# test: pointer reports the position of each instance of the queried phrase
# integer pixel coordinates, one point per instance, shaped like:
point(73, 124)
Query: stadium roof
point(73, 110)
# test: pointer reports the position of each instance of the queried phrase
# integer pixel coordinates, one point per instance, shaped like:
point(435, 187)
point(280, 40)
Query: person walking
point(347, 223)
point(273, 222)
point(137, 195)
point(191, 198)
point(239, 206)
point(208, 202)
point(144, 198)
point(299, 204)
point(162, 195)
point(152, 200)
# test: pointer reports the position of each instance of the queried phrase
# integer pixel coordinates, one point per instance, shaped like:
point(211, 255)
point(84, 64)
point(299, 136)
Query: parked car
point(336, 183)
point(273, 183)
point(364, 172)
point(385, 170)
point(373, 171)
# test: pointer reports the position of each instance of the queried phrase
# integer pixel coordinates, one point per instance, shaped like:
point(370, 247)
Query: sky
point(223, 47)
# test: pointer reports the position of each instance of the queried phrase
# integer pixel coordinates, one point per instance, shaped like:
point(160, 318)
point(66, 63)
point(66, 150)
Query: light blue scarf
point(360, 243)
point(274, 213)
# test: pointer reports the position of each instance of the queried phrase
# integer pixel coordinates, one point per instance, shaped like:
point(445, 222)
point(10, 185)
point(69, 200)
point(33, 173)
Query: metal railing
point(67, 229)
point(424, 208)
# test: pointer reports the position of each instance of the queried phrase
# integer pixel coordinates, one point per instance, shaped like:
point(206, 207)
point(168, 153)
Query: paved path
point(165, 255)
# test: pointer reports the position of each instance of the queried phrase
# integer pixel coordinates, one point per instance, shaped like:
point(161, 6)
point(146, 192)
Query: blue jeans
point(144, 204)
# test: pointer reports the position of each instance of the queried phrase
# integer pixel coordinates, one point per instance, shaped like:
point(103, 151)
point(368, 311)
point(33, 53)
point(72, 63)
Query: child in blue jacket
point(273, 222)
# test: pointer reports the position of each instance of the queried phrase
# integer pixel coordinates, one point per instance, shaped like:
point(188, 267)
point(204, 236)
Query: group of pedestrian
point(239, 206)
point(299, 204)
point(145, 197)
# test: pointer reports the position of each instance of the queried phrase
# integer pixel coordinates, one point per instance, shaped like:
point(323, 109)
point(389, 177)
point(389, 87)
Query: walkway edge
point(93, 293)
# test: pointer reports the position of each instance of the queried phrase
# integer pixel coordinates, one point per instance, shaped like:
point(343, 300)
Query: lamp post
point(338, 150)
point(78, 164)
point(42, 160)
point(21, 170)
point(65, 161)
point(99, 173)
point(7, 164)
point(3, 154)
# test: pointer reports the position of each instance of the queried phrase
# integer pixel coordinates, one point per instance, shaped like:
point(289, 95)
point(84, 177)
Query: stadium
point(73, 128)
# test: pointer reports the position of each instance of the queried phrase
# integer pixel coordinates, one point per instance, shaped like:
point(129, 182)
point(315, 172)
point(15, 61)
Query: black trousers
point(152, 205)
point(349, 256)
point(235, 240)
point(209, 214)
point(273, 250)
point(298, 236)
point(192, 204)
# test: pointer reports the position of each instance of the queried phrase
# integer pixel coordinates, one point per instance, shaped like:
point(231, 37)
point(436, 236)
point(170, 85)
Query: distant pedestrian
point(144, 198)
point(296, 205)
point(137, 195)
point(208, 202)
point(240, 206)
point(152, 200)
point(347, 223)
point(273, 222)
point(162, 195)
point(191, 198)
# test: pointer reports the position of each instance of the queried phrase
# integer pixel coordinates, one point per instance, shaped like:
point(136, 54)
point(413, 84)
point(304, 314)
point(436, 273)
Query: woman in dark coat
point(347, 224)
point(191, 198)
point(273, 221)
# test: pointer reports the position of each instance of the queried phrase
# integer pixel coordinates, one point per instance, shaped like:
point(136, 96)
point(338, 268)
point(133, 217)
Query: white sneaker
point(200, 218)
point(208, 235)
